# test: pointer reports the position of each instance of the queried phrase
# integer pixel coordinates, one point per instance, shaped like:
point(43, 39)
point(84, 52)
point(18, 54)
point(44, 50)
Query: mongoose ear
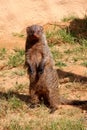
point(41, 28)
point(27, 29)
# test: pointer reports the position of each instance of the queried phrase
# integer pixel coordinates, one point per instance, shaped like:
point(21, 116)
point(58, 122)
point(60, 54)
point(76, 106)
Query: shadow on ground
point(26, 98)
point(72, 76)
point(78, 28)
point(22, 97)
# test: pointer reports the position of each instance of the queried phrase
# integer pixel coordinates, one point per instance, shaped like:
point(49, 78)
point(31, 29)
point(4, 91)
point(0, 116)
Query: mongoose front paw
point(34, 105)
point(40, 71)
point(30, 71)
point(52, 110)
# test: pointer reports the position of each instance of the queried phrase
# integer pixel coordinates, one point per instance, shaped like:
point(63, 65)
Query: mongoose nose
point(36, 35)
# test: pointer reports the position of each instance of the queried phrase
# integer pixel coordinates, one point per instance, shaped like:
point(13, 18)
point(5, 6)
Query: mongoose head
point(34, 32)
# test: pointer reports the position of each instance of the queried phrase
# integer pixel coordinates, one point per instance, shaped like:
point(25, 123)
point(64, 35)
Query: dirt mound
point(16, 15)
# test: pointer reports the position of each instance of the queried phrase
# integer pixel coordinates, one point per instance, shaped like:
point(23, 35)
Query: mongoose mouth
point(35, 35)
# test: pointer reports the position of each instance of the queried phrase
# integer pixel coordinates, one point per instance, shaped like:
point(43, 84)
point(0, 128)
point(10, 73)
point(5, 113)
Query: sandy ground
point(16, 15)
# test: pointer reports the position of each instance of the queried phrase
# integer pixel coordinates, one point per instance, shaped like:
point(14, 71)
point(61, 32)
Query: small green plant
point(75, 59)
point(64, 125)
point(15, 125)
point(69, 18)
point(83, 42)
point(60, 35)
point(60, 64)
point(61, 124)
point(56, 54)
point(15, 103)
point(84, 63)
point(71, 125)
point(2, 53)
point(16, 59)
point(19, 72)
point(20, 51)
point(52, 37)
point(52, 126)
point(20, 86)
point(68, 51)
point(17, 34)
point(51, 33)
point(66, 36)
point(3, 107)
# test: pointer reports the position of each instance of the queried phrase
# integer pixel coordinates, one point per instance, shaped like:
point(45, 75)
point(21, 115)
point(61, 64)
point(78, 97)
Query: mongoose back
point(43, 77)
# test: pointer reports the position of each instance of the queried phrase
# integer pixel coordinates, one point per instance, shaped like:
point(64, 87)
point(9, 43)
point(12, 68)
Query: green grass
point(69, 18)
point(78, 51)
point(15, 103)
point(59, 124)
point(84, 63)
point(20, 87)
point(65, 125)
point(68, 51)
point(2, 53)
point(66, 36)
point(14, 125)
point(77, 54)
point(15, 34)
point(60, 35)
point(19, 72)
point(56, 54)
point(60, 64)
point(17, 58)
point(52, 37)
point(75, 59)
point(20, 51)
point(83, 42)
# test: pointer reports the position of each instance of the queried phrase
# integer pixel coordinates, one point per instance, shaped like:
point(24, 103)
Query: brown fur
point(43, 78)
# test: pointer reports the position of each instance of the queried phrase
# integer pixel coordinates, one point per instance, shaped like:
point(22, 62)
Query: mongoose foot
point(52, 110)
point(34, 105)
point(30, 70)
point(40, 69)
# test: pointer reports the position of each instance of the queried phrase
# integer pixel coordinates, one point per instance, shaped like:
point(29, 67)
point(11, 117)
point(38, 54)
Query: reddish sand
point(15, 15)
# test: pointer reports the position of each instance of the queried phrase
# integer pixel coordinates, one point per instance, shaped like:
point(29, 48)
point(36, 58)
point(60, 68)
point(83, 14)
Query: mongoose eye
point(41, 29)
point(38, 31)
point(32, 32)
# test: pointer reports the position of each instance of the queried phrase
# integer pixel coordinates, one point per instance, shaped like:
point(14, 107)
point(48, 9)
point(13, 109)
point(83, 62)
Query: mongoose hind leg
point(50, 101)
point(34, 99)
point(53, 106)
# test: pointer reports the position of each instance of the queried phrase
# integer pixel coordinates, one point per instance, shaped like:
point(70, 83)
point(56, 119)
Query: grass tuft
point(16, 59)
point(60, 64)
point(15, 34)
point(66, 36)
point(84, 63)
point(15, 103)
point(69, 18)
point(2, 53)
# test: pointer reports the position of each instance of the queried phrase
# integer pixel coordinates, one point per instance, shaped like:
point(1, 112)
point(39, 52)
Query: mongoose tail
point(72, 102)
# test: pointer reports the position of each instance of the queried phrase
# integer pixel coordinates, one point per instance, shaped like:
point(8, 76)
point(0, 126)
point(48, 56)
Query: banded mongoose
point(44, 82)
